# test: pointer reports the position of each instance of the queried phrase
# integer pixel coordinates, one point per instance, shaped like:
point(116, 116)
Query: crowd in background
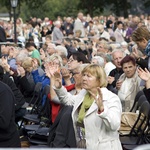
point(117, 45)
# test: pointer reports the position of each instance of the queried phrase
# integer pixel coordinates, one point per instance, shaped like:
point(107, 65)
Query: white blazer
point(101, 130)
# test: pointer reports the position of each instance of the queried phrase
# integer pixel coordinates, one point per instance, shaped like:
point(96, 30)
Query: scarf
point(147, 50)
point(87, 102)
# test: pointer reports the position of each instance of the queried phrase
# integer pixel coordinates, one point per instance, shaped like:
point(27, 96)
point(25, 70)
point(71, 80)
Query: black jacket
point(19, 99)
point(62, 132)
point(9, 136)
point(114, 73)
point(2, 35)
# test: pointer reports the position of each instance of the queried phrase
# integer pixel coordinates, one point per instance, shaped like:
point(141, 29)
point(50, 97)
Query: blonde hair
point(98, 72)
point(28, 62)
point(53, 57)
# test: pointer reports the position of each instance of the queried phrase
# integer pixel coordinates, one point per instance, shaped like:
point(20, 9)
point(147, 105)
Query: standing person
point(78, 24)
point(119, 32)
point(96, 113)
point(2, 35)
point(9, 136)
point(68, 27)
point(57, 35)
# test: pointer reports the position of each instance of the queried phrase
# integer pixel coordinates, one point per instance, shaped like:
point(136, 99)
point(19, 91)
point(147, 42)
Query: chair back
point(138, 95)
point(142, 122)
point(36, 93)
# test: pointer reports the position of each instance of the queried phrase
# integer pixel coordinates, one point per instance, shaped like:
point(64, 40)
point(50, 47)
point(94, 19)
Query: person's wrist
point(22, 75)
point(100, 110)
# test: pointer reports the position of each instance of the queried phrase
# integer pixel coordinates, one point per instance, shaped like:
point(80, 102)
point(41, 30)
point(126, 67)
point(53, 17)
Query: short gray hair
point(62, 50)
point(100, 60)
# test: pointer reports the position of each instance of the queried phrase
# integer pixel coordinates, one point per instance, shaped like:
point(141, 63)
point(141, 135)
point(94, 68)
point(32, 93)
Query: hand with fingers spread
point(143, 74)
point(98, 99)
point(53, 72)
point(65, 73)
point(66, 76)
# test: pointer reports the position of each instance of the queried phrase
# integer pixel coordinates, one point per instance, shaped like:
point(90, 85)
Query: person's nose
point(84, 78)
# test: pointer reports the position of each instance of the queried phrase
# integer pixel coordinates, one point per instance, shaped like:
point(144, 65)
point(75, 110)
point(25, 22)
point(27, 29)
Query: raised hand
point(98, 99)
point(135, 53)
point(143, 74)
point(53, 72)
point(65, 73)
point(5, 64)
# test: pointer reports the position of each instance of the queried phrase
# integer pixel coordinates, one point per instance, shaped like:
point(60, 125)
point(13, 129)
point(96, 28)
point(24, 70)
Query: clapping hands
point(53, 72)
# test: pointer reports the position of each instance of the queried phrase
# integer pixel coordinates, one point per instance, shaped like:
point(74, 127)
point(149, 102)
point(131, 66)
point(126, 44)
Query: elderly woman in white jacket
point(96, 113)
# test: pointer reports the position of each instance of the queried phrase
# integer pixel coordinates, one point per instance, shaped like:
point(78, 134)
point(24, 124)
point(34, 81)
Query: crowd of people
point(95, 65)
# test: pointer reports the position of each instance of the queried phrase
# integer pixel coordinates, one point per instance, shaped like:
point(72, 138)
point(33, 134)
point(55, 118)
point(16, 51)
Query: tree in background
point(54, 8)
point(92, 7)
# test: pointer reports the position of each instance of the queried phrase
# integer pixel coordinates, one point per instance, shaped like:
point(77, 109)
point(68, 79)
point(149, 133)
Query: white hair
point(21, 57)
point(62, 50)
point(100, 60)
point(57, 23)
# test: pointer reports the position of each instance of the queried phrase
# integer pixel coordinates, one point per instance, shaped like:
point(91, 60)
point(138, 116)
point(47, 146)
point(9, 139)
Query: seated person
point(117, 56)
point(129, 83)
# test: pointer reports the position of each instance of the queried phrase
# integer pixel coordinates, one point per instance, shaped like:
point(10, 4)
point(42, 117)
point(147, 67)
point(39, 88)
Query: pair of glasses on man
point(74, 73)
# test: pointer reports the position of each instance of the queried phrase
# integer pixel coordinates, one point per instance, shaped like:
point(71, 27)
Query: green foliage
point(49, 8)
point(92, 7)
point(119, 6)
point(54, 8)
point(147, 3)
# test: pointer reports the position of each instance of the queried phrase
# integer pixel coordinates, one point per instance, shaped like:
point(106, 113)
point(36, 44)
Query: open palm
point(143, 74)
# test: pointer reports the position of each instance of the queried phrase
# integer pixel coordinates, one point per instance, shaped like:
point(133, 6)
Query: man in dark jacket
point(117, 56)
point(2, 34)
point(9, 136)
point(19, 99)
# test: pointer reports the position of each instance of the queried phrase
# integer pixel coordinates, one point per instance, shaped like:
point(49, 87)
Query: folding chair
point(138, 95)
point(35, 98)
point(39, 118)
point(137, 134)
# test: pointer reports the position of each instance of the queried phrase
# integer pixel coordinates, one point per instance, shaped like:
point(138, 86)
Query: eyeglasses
point(70, 60)
point(74, 73)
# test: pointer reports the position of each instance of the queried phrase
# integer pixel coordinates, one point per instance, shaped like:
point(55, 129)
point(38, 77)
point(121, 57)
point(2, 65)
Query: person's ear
point(144, 40)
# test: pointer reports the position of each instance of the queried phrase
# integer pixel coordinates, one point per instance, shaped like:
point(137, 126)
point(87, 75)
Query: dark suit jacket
point(147, 94)
point(2, 35)
point(9, 136)
point(62, 131)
